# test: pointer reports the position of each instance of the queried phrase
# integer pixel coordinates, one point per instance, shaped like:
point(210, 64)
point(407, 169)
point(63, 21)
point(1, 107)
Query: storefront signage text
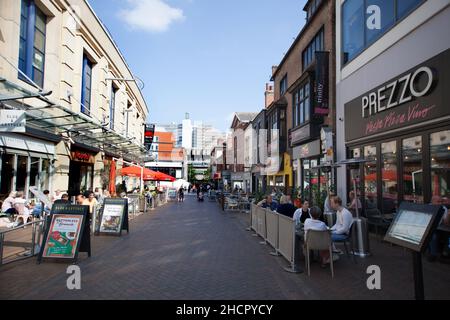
point(396, 93)
point(82, 157)
point(417, 97)
point(394, 118)
point(12, 121)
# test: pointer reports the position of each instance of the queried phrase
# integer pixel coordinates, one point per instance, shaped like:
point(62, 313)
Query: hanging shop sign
point(67, 233)
point(321, 87)
point(12, 121)
point(419, 95)
point(306, 150)
point(114, 217)
point(149, 134)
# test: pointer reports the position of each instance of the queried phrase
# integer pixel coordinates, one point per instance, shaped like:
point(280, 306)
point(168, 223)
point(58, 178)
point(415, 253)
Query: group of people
point(307, 218)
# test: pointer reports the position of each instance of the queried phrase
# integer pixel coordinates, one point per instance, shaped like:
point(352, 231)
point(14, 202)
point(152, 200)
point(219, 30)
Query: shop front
point(25, 162)
point(310, 181)
point(402, 130)
point(81, 172)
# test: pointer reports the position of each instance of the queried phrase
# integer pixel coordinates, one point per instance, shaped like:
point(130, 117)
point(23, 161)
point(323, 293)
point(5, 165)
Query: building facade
point(393, 100)
point(61, 68)
point(303, 110)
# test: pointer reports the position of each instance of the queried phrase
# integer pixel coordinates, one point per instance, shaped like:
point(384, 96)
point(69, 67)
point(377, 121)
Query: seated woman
point(313, 223)
point(8, 204)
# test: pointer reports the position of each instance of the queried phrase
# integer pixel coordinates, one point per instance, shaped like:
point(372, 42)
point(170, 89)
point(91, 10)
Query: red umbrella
point(112, 178)
point(159, 176)
point(136, 172)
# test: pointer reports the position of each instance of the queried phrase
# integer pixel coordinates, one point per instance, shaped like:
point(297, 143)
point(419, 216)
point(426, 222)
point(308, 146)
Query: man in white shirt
point(344, 220)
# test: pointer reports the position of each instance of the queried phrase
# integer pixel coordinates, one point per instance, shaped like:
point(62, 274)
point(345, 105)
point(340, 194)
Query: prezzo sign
point(416, 96)
point(398, 92)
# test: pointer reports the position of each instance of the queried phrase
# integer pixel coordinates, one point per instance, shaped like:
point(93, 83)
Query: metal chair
point(349, 240)
point(318, 240)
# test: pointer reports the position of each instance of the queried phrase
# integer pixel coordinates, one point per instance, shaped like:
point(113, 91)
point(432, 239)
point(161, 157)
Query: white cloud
point(151, 15)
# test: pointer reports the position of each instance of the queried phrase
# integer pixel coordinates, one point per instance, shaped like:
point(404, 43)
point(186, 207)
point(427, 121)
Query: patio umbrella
point(159, 176)
point(112, 178)
point(136, 172)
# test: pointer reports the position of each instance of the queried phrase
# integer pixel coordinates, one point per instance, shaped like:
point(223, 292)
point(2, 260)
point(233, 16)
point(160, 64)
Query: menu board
point(413, 225)
point(63, 236)
point(114, 216)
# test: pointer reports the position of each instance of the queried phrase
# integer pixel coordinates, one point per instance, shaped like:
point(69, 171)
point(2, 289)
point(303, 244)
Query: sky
point(209, 58)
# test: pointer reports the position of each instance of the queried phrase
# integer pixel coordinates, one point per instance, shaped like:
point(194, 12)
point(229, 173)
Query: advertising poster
point(112, 218)
point(63, 236)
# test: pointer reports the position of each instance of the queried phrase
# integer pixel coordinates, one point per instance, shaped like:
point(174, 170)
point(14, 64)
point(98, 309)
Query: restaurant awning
point(43, 114)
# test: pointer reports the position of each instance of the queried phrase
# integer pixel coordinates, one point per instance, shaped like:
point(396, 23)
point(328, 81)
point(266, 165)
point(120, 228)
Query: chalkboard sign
point(114, 217)
point(414, 225)
point(67, 233)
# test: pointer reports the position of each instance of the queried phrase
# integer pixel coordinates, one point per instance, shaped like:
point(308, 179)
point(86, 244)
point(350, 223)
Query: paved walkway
point(194, 251)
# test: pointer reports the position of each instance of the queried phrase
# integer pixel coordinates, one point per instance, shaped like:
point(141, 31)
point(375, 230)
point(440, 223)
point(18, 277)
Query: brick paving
point(194, 251)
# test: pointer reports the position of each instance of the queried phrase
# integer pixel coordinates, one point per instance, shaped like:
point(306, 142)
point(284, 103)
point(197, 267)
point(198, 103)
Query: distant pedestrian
point(181, 195)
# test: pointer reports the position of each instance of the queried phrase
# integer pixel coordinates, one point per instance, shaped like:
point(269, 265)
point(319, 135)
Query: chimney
point(268, 95)
point(274, 69)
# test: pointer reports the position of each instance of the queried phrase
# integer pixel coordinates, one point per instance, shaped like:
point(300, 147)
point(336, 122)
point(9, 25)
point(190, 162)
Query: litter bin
point(360, 237)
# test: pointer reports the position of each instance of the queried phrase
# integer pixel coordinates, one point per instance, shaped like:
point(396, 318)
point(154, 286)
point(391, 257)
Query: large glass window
point(364, 21)
point(440, 167)
point(380, 16)
point(34, 174)
point(7, 174)
point(389, 181)
point(306, 165)
point(283, 85)
point(370, 177)
point(352, 28)
point(44, 179)
point(21, 176)
point(32, 42)
point(112, 107)
point(412, 170)
point(316, 44)
point(301, 105)
point(86, 87)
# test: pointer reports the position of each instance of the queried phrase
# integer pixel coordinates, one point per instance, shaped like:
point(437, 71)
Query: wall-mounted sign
point(306, 150)
point(321, 87)
point(149, 133)
point(82, 157)
point(300, 134)
point(12, 121)
point(419, 95)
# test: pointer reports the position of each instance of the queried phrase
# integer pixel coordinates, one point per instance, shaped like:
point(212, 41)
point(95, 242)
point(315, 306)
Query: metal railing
point(21, 239)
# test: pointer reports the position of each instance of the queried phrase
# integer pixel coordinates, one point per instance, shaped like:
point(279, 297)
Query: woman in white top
point(8, 204)
point(314, 223)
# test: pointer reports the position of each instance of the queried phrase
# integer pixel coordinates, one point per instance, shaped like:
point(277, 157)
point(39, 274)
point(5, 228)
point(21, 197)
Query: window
point(112, 107)
point(412, 170)
point(370, 174)
point(365, 21)
point(32, 42)
point(283, 85)
point(440, 167)
point(316, 44)
point(389, 179)
point(86, 86)
point(301, 105)
point(312, 8)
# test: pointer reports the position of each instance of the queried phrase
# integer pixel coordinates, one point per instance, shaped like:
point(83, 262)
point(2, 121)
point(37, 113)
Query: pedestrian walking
point(181, 195)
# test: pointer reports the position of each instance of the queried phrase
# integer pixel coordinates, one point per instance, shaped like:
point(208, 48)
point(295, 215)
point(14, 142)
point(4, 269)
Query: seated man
point(344, 220)
point(286, 207)
point(268, 203)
